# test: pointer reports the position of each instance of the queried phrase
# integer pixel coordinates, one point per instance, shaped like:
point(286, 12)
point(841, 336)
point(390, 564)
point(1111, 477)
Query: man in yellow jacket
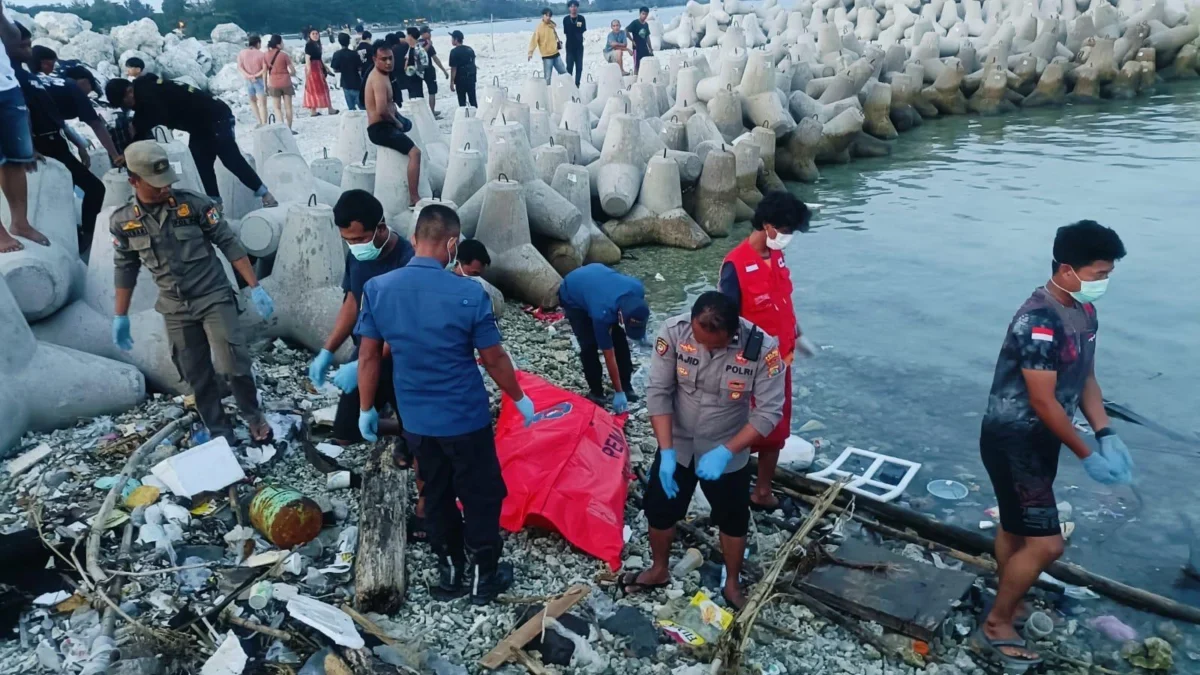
point(545, 40)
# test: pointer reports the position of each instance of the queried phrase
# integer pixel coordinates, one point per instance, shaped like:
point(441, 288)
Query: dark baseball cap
point(425, 30)
point(457, 35)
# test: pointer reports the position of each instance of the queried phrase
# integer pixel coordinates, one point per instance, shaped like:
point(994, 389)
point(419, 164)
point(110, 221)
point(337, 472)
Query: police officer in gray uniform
point(706, 369)
point(172, 233)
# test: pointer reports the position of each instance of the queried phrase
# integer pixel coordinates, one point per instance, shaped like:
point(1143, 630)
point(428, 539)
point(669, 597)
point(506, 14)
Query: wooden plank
point(506, 650)
point(911, 597)
point(379, 574)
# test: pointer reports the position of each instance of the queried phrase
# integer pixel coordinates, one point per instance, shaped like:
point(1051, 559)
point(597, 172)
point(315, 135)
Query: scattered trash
point(258, 455)
point(691, 561)
point(1038, 626)
point(21, 464)
point(797, 454)
point(1112, 628)
point(1067, 530)
point(260, 595)
point(865, 483)
point(339, 480)
point(810, 426)
point(285, 517)
point(630, 622)
point(194, 578)
point(1153, 654)
point(659, 277)
point(330, 450)
point(951, 490)
point(107, 482)
point(694, 622)
point(265, 559)
point(1081, 593)
point(333, 622)
point(48, 599)
point(986, 524)
point(143, 495)
point(115, 517)
point(1065, 511)
point(229, 659)
point(204, 468)
point(325, 416)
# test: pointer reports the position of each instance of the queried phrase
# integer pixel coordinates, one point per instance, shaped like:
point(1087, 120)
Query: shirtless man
point(387, 127)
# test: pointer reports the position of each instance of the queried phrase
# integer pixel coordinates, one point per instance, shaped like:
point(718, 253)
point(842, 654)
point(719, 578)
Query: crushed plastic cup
point(1038, 626)
point(260, 595)
point(691, 561)
point(950, 490)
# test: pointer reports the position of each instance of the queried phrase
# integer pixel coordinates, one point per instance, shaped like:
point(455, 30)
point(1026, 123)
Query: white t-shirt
point(8, 80)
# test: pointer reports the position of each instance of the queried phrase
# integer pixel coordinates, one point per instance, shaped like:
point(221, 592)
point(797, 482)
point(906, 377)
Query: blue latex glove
point(121, 336)
point(262, 302)
point(666, 472)
point(712, 465)
point(620, 402)
point(346, 377)
point(525, 406)
point(1117, 453)
point(368, 424)
point(318, 367)
point(1100, 469)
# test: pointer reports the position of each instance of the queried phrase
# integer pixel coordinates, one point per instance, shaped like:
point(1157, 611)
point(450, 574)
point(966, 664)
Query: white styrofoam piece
point(834, 472)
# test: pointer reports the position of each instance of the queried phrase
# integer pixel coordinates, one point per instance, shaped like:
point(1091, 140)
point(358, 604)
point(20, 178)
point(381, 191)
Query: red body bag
point(568, 471)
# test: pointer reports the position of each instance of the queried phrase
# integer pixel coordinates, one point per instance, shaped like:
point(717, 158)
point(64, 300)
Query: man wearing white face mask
point(374, 250)
point(1046, 371)
point(755, 274)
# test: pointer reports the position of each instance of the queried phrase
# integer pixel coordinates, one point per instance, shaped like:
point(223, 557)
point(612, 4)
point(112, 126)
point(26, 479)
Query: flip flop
point(1018, 621)
point(629, 580)
point(759, 508)
point(731, 603)
point(981, 641)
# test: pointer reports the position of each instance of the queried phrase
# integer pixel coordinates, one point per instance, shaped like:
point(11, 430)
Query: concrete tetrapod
point(465, 174)
point(293, 180)
point(517, 268)
point(181, 158)
point(713, 202)
point(44, 387)
point(797, 158)
point(42, 277)
point(467, 129)
point(574, 182)
point(236, 199)
point(117, 189)
point(359, 176)
point(306, 282)
point(768, 178)
point(391, 181)
point(658, 216)
point(328, 169)
point(261, 229)
point(549, 215)
point(353, 144)
point(275, 137)
point(435, 153)
point(748, 163)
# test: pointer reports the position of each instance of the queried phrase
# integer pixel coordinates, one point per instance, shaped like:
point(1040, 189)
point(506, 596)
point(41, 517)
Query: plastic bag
point(568, 471)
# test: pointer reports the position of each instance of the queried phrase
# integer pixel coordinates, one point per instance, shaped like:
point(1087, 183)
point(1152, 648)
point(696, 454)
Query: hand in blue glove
point(712, 465)
point(620, 402)
point(1100, 469)
point(346, 377)
point(1117, 453)
point(316, 369)
point(525, 406)
point(262, 302)
point(666, 472)
point(368, 424)
point(121, 336)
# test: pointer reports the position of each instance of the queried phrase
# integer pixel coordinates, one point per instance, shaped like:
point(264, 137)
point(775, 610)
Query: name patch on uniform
point(213, 215)
point(184, 211)
point(737, 385)
point(1042, 334)
point(685, 347)
point(752, 268)
point(661, 346)
point(690, 360)
point(738, 370)
point(683, 372)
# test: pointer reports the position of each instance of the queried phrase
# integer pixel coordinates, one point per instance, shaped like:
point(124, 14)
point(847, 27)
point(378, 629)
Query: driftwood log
point(972, 542)
point(379, 575)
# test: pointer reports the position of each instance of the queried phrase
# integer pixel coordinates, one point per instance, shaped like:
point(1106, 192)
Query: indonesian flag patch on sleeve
point(1042, 334)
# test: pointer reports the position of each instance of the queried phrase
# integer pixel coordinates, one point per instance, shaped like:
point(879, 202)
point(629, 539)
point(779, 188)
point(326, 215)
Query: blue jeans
point(256, 88)
point(353, 99)
point(551, 64)
point(16, 143)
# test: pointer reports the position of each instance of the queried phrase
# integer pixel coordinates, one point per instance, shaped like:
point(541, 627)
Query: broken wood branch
point(976, 543)
point(507, 649)
point(379, 575)
point(368, 625)
point(110, 500)
point(259, 628)
point(732, 644)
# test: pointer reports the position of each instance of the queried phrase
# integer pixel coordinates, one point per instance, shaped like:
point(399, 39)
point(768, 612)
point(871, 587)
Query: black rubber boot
point(452, 573)
point(489, 576)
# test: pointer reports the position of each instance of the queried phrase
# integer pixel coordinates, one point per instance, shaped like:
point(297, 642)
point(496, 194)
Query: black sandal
point(629, 580)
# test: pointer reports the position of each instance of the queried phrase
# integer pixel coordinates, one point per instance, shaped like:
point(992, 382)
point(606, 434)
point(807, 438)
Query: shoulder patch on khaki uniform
point(661, 346)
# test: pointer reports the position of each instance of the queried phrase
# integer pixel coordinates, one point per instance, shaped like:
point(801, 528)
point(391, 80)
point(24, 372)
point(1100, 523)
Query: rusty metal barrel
point(285, 516)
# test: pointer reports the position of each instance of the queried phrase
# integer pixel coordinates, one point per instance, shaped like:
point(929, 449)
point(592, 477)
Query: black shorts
point(1022, 468)
point(345, 423)
point(388, 135)
point(729, 497)
point(414, 88)
point(431, 81)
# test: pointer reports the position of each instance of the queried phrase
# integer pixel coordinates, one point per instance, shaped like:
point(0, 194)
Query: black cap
point(425, 30)
point(457, 35)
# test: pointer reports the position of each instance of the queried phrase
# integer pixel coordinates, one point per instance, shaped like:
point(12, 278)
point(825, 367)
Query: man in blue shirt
point(434, 322)
point(374, 250)
point(597, 301)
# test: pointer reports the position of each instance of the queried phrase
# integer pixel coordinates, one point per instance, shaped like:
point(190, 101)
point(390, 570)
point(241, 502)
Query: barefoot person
point(385, 125)
point(1045, 373)
point(756, 276)
point(252, 65)
point(616, 46)
point(16, 148)
point(172, 233)
point(706, 368)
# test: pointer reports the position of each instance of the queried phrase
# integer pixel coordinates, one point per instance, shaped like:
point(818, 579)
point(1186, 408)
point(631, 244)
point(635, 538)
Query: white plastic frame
point(834, 472)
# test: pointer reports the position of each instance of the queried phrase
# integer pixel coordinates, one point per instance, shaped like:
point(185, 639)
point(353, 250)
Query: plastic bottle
point(200, 434)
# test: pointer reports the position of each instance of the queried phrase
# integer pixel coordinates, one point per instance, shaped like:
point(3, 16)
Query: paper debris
point(207, 467)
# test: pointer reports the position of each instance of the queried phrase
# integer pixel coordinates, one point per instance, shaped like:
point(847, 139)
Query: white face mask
point(780, 241)
point(1089, 291)
point(453, 254)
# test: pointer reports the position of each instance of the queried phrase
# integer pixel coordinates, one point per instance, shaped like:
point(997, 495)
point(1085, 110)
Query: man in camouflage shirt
point(1044, 374)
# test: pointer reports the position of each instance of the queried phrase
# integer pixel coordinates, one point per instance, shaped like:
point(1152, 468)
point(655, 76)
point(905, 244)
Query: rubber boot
point(452, 571)
point(490, 577)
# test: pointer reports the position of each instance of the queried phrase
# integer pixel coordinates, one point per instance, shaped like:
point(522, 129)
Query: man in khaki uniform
point(707, 368)
point(172, 233)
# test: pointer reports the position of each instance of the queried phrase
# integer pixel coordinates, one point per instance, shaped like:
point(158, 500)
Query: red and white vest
point(766, 289)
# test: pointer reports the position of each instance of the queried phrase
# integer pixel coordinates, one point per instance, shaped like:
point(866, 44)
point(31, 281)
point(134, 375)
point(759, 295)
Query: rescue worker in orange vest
point(755, 274)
